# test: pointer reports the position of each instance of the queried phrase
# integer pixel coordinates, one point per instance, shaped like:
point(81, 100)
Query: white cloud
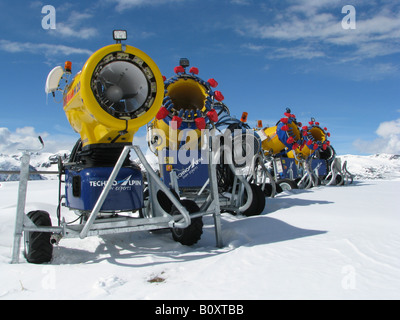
point(128, 4)
point(241, 2)
point(253, 47)
point(40, 48)
point(309, 22)
point(73, 28)
point(388, 140)
point(301, 52)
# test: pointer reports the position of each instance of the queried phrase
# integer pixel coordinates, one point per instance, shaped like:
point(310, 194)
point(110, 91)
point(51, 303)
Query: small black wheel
point(258, 204)
point(286, 184)
point(268, 189)
point(192, 234)
point(38, 248)
point(164, 201)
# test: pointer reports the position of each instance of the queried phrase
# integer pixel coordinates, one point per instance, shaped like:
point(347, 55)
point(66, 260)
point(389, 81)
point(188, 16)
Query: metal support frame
point(259, 164)
point(348, 177)
point(154, 216)
point(19, 220)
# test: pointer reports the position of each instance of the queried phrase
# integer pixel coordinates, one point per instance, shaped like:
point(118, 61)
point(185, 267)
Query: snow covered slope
point(322, 243)
point(378, 166)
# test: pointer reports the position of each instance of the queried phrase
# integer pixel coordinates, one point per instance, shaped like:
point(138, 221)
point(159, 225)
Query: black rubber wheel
point(190, 235)
point(286, 184)
point(268, 189)
point(38, 248)
point(164, 201)
point(258, 204)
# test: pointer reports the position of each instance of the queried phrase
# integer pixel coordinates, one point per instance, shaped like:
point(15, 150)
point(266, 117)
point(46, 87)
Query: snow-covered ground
point(322, 243)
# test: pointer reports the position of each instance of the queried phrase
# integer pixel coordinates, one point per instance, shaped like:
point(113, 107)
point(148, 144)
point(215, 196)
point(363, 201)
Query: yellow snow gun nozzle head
point(284, 136)
point(119, 90)
point(314, 138)
point(187, 108)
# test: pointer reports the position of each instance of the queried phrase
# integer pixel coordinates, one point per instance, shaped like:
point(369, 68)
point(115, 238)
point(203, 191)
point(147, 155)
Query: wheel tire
point(164, 201)
point(286, 184)
point(258, 204)
point(192, 234)
point(38, 248)
point(268, 190)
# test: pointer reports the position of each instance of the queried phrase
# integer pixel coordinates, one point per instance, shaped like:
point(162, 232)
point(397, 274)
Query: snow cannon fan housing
point(119, 90)
point(282, 137)
point(188, 105)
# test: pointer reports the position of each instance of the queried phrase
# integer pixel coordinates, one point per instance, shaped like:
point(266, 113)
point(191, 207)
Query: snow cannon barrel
point(314, 138)
point(284, 136)
point(187, 106)
point(119, 90)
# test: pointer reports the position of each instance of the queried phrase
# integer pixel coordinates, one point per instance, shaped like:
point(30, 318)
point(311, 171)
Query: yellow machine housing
point(314, 139)
point(119, 90)
point(188, 96)
point(273, 142)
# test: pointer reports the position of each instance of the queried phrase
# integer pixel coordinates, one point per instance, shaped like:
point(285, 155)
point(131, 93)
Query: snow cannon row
point(188, 106)
point(292, 138)
point(301, 156)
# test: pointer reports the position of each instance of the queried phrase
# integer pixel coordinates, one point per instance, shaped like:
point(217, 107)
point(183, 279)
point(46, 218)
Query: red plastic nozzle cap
point(200, 123)
point(285, 128)
point(176, 122)
point(162, 113)
point(212, 83)
point(179, 69)
point(285, 120)
point(290, 140)
point(212, 115)
point(219, 96)
point(194, 70)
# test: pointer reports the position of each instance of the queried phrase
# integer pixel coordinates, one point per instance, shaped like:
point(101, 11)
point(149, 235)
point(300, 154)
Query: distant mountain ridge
point(372, 167)
point(39, 162)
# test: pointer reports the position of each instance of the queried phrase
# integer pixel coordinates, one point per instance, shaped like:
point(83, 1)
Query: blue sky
point(266, 56)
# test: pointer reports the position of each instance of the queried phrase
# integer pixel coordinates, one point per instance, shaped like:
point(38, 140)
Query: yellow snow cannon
point(282, 137)
point(119, 90)
point(187, 109)
point(314, 138)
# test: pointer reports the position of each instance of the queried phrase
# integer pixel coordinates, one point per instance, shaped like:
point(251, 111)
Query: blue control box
point(83, 188)
point(191, 167)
